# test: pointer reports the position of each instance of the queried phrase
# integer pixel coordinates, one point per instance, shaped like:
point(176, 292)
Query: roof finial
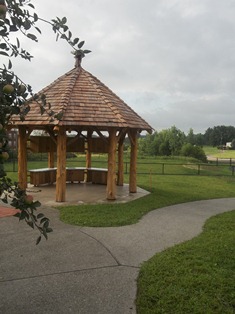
point(78, 60)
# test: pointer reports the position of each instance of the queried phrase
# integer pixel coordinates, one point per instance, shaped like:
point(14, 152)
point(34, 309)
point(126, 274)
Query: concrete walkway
point(89, 270)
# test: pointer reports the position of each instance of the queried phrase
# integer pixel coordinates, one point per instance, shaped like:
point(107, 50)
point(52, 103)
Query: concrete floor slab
point(83, 193)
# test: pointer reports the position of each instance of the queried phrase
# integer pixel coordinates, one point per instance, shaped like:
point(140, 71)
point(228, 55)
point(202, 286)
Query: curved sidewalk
point(90, 270)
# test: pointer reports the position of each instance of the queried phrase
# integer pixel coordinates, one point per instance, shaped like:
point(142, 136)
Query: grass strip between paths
point(197, 276)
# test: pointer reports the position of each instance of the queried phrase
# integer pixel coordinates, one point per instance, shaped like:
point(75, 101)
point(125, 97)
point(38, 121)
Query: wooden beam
point(101, 135)
point(133, 161)
point(52, 135)
point(61, 165)
point(111, 177)
point(73, 140)
point(22, 157)
point(122, 134)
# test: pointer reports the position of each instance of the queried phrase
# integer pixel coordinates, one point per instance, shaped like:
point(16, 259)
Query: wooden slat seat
point(75, 174)
point(97, 175)
point(42, 176)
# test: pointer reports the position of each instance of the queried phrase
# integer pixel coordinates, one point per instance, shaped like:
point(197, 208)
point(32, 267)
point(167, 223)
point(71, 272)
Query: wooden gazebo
point(88, 107)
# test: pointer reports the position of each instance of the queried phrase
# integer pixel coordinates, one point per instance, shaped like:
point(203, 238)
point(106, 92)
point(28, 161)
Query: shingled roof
point(85, 102)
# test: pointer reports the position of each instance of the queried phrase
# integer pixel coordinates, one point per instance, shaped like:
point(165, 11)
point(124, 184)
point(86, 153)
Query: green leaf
point(37, 204)
point(38, 29)
point(9, 65)
point(64, 20)
point(45, 233)
point(32, 36)
point(46, 224)
point(31, 5)
point(40, 216)
point(86, 51)
point(31, 224)
point(81, 44)
point(76, 40)
point(4, 53)
point(44, 220)
point(38, 240)
point(35, 16)
point(3, 46)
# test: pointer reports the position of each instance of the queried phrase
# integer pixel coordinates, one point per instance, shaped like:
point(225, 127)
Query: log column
point(120, 177)
point(22, 157)
point(133, 161)
point(51, 158)
point(88, 155)
point(111, 177)
point(61, 165)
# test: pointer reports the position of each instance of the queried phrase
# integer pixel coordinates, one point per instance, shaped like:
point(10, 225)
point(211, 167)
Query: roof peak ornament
point(78, 61)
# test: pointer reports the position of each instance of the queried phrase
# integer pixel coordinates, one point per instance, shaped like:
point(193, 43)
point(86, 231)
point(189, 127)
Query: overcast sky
point(172, 61)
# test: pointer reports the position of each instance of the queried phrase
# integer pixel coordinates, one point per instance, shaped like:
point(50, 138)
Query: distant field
point(217, 153)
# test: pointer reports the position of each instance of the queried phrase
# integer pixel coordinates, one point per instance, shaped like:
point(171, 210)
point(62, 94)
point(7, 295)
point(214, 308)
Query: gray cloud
point(172, 61)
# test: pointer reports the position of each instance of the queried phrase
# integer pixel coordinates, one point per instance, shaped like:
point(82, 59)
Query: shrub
point(194, 151)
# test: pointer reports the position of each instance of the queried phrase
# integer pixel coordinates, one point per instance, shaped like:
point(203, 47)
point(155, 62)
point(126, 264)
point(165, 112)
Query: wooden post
point(133, 161)
point(61, 165)
point(88, 155)
point(51, 159)
point(22, 157)
point(120, 177)
point(88, 152)
point(111, 177)
point(51, 153)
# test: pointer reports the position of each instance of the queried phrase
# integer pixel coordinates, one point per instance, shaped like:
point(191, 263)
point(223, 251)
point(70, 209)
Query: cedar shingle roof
point(85, 102)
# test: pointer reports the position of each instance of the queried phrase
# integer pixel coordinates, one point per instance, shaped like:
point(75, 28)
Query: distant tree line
point(174, 142)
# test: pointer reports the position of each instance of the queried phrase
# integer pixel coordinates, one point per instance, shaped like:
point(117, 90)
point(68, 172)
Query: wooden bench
point(97, 175)
point(42, 176)
point(75, 174)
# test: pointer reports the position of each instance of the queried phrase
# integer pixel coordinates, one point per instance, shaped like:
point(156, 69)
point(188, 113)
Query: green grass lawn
point(218, 153)
point(165, 190)
point(196, 277)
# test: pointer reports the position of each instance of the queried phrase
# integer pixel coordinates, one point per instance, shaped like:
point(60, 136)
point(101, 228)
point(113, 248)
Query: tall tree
point(219, 135)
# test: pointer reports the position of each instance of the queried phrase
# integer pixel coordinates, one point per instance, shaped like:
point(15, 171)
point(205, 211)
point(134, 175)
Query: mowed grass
point(165, 190)
point(194, 277)
point(219, 153)
point(197, 276)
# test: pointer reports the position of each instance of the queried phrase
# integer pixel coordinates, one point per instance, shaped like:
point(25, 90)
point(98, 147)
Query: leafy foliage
point(219, 135)
point(194, 151)
point(165, 143)
point(170, 141)
point(19, 16)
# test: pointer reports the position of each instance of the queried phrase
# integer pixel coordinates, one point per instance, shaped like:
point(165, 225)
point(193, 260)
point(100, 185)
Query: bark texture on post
point(22, 157)
point(111, 178)
point(120, 176)
point(133, 161)
point(51, 159)
point(61, 166)
point(88, 152)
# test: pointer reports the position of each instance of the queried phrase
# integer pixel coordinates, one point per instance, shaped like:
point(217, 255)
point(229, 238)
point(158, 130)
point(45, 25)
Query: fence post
point(163, 168)
point(198, 171)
